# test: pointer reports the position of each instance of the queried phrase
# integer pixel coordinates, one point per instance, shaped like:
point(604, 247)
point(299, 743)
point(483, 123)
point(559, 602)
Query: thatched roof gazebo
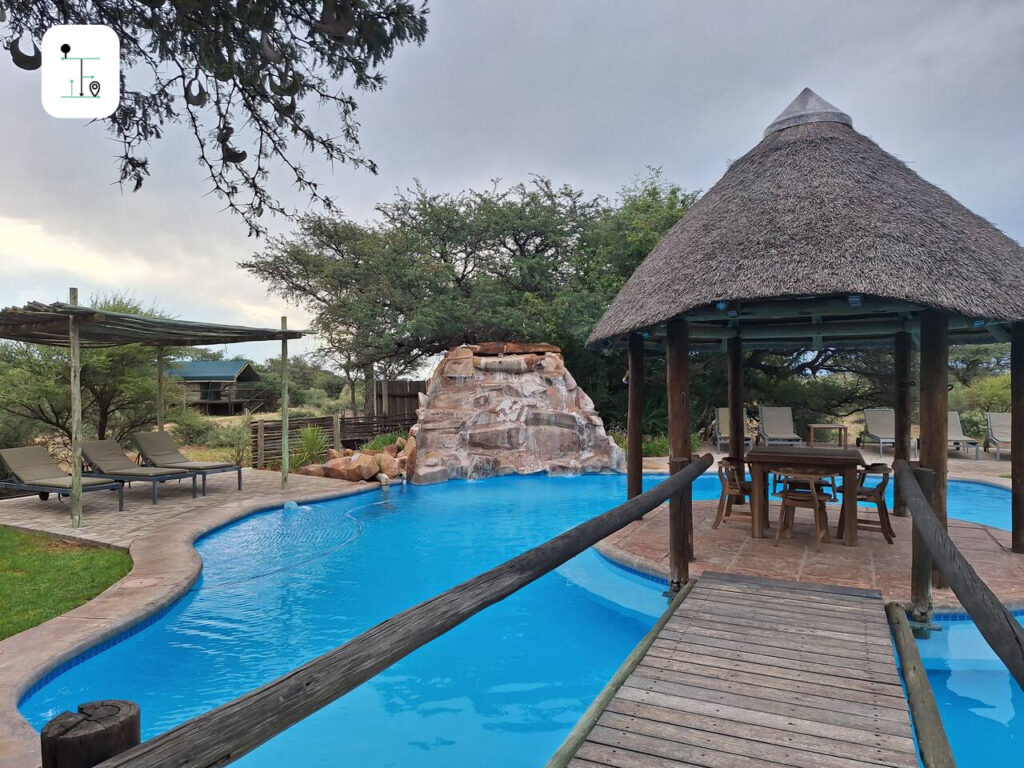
point(818, 237)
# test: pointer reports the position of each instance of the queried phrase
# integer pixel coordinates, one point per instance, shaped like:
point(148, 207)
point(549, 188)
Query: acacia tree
point(240, 75)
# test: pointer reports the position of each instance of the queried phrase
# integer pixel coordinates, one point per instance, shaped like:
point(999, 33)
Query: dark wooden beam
point(737, 416)
point(635, 418)
point(901, 371)
point(934, 377)
point(680, 518)
point(1017, 433)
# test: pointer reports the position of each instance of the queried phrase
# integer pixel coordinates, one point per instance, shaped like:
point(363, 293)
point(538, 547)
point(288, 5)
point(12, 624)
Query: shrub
point(654, 445)
point(380, 441)
point(236, 439)
point(192, 428)
point(302, 413)
point(975, 424)
point(312, 447)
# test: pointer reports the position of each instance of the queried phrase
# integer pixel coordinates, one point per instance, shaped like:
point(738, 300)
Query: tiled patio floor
point(872, 564)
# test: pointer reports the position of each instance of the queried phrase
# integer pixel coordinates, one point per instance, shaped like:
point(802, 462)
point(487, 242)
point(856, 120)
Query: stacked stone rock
point(505, 408)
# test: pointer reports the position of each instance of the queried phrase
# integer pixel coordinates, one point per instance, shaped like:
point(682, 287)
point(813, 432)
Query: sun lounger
point(722, 429)
point(33, 469)
point(957, 439)
point(158, 450)
point(880, 426)
point(776, 427)
point(999, 431)
point(105, 459)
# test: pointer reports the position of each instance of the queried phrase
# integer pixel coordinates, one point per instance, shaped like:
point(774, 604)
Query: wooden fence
point(224, 734)
point(341, 431)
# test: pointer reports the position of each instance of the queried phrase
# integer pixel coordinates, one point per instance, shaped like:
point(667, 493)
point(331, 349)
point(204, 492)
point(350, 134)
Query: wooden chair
point(734, 486)
point(872, 495)
point(804, 490)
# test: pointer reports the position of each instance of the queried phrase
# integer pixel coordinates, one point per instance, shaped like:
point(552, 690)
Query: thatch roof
point(820, 213)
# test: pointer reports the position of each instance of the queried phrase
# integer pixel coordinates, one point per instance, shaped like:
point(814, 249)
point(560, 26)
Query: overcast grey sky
point(588, 92)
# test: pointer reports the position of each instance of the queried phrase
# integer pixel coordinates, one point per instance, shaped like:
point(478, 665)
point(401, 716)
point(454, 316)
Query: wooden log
point(996, 624)
point(932, 741)
point(224, 734)
point(98, 731)
point(261, 456)
point(160, 389)
point(935, 411)
point(680, 514)
point(635, 418)
point(921, 558)
point(284, 407)
point(901, 375)
point(1017, 433)
point(737, 417)
point(76, 412)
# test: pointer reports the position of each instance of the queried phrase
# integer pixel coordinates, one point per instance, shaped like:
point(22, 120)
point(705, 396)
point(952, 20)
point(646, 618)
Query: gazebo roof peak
point(808, 107)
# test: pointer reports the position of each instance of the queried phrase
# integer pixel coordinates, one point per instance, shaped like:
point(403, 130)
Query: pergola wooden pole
point(160, 389)
point(935, 410)
point(635, 418)
point(284, 406)
point(76, 414)
point(1017, 433)
point(737, 417)
point(901, 374)
point(680, 515)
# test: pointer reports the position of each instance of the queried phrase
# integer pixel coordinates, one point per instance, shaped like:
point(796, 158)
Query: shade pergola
point(818, 237)
point(71, 325)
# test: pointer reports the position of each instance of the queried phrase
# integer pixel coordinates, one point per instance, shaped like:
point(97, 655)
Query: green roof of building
point(208, 370)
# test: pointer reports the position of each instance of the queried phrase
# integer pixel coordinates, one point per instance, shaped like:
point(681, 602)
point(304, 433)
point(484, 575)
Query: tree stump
point(98, 731)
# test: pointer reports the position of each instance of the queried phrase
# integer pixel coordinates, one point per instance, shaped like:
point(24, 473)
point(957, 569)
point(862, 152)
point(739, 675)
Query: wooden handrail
point(996, 624)
point(224, 734)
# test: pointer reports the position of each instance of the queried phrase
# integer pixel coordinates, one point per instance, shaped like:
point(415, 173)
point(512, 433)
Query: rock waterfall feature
point(503, 408)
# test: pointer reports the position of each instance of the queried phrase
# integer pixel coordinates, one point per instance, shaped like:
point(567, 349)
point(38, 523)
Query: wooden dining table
point(764, 460)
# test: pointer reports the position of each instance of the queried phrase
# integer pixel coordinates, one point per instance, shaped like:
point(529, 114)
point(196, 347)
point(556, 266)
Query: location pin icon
point(94, 88)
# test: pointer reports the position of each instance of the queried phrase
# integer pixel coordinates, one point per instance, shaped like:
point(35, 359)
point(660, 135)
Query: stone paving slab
point(165, 566)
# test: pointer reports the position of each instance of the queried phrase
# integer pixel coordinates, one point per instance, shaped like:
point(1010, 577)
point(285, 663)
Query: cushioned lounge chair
point(999, 431)
point(105, 459)
point(957, 439)
point(33, 469)
point(722, 429)
point(880, 427)
point(776, 427)
point(158, 450)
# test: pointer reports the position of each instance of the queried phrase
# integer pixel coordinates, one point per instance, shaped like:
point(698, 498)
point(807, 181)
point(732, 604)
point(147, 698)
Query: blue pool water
point(282, 587)
point(503, 689)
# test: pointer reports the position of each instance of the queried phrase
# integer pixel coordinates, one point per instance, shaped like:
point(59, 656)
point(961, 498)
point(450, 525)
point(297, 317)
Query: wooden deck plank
point(761, 672)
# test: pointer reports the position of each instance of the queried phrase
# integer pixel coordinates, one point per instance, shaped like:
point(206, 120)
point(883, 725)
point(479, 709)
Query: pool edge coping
point(165, 566)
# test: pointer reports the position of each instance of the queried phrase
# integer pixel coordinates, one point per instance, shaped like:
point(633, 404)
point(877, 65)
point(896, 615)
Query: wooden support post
point(384, 393)
point(336, 431)
point(76, 414)
point(98, 731)
point(284, 406)
point(901, 448)
point(921, 558)
point(680, 516)
point(635, 418)
point(160, 389)
point(1017, 433)
point(737, 416)
point(261, 452)
point(935, 410)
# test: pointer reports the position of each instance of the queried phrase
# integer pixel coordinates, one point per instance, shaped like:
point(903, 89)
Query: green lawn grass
point(41, 577)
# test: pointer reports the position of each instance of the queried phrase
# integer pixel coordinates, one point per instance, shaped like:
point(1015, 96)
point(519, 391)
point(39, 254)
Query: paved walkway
point(872, 564)
point(749, 672)
point(165, 565)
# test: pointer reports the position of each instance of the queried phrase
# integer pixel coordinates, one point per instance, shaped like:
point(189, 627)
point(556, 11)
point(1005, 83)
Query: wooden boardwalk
point(757, 672)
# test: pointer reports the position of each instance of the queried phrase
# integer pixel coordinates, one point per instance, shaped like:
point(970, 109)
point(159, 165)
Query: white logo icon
point(81, 71)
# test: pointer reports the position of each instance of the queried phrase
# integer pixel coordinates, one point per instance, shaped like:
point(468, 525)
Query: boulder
point(390, 450)
point(388, 465)
point(333, 454)
point(365, 464)
point(313, 470)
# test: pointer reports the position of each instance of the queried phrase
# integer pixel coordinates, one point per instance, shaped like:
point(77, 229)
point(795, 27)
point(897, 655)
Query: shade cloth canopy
point(38, 323)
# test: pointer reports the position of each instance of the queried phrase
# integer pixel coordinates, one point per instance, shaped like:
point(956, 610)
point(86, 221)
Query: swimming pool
point(283, 586)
